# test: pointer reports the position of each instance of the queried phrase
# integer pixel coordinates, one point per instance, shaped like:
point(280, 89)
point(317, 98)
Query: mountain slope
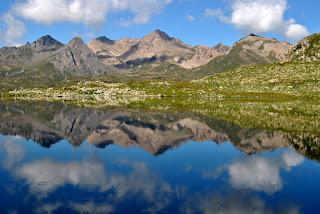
point(249, 51)
point(30, 53)
point(109, 51)
point(307, 49)
point(204, 55)
point(46, 43)
point(76, 57)
point(157, 46)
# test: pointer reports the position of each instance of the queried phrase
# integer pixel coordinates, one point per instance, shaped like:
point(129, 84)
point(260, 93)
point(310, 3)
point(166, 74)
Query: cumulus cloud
point(47, 11)
point(90, 12)
point(261, 16)
point(11, 30)
point(296, 31)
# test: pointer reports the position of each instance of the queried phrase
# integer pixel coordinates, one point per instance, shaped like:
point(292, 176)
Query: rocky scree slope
point(307, 49)
point(250, 50)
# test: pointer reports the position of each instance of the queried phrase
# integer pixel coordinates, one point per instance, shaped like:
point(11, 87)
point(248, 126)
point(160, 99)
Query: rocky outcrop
point(46, 43)
point(204, 55)
point(155, 47)
point(307, 49)
point(77, 58)
point(109, 51)
point(251, 50)
point(28, 54)
point(261, 141)
point(158, 46)
point(268, 50)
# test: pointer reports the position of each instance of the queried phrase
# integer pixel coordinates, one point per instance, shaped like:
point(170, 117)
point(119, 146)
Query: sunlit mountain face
point(56, 158)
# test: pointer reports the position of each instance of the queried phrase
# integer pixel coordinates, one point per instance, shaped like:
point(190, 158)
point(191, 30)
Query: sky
point(196, 22)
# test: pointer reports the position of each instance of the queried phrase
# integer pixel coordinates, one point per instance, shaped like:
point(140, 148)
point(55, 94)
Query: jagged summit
point(159, 34)
point(104, 39)
point(221, 48)
point(76, 57)
point(77, 40)
point(46, 43)
point(254, 35)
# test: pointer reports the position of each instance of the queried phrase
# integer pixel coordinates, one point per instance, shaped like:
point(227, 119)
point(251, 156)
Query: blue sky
point(206, 22)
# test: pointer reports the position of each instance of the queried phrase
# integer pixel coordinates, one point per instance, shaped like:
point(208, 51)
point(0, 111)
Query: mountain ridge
point(154, 56)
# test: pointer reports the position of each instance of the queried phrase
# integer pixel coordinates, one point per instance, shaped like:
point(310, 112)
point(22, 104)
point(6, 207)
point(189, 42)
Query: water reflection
point(258, 173)
point(62, 159)
point(49, 123)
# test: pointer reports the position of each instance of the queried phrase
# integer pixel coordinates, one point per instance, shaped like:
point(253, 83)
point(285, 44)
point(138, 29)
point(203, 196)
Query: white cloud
point(92, 13)
point(89, 12)
point(258, 16)
point(190, 18)
point(217, 13)
point(47, 11)
point(296, 31)
point(11, 30)
point(142, 10)
point(261, 16)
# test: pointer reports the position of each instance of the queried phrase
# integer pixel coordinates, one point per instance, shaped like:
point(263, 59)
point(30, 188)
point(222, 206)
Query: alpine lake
point(160, 156)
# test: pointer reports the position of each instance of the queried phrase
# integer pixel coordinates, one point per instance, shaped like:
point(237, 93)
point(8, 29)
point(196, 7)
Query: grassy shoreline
point(281, 96)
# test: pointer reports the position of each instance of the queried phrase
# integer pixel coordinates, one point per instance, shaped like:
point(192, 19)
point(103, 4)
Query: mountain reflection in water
point(62, 159)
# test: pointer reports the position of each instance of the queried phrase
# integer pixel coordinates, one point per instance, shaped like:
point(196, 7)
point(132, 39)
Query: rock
point(204, 55)
point(76, 57)
point(307, 49)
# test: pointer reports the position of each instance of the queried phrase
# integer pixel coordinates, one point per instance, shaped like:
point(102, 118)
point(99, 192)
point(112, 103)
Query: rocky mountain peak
point(251, 38)
point(221, 48)
point(46, 43)
point(159, 34)
point(104, 39)
point(77, 41)
point(78, 58)
point(253, 35)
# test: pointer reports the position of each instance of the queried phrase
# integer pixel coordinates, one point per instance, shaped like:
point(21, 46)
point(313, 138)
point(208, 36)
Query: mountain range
point(103, 55)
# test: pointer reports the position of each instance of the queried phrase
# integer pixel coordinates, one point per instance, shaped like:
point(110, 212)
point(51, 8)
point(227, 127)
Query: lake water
point(62, 159)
